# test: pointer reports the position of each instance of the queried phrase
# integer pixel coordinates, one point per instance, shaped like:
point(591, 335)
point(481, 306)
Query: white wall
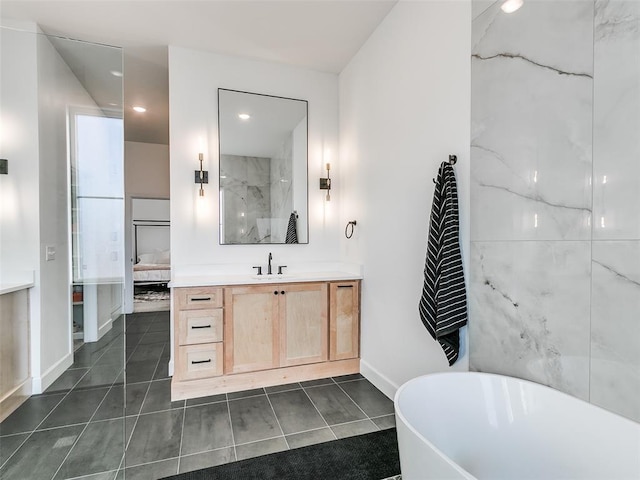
point(194, 78)
point(404, 107)
point(58, 89)
point(19, 144)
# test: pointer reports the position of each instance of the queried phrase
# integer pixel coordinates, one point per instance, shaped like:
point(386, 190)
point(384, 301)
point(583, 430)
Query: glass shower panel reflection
point(61, 225)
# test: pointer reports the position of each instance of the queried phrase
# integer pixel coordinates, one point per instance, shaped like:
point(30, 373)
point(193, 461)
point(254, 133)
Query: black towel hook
point(453, 159)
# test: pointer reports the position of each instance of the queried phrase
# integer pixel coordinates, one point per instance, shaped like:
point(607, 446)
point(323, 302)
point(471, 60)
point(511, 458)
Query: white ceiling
point(318, 34)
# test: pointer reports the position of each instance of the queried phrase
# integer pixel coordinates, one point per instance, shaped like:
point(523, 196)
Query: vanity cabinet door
point(303, 323)
point(251, 329)
point(344, 314)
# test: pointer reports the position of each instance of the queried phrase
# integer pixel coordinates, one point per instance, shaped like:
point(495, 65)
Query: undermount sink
point(272, 277)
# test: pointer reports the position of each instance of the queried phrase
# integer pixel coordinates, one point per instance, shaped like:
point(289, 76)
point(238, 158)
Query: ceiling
point(318, 34)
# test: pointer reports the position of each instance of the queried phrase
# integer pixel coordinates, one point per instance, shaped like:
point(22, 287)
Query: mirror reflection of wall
point(263, 148)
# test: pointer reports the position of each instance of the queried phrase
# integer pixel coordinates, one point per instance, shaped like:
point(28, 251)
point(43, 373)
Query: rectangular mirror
point(263, 168)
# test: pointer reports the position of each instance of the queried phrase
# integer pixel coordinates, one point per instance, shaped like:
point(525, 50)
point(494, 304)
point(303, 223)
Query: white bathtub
point(483, 426)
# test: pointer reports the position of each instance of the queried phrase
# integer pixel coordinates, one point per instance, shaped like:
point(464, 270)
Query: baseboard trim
point(105, 327)
point(13, 399)
point(380, 381)
point(263, 378)
point(40, 384)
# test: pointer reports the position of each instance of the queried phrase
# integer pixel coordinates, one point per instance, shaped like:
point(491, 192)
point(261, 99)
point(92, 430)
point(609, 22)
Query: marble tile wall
point(245, 182)
point(281, 189)
point(555, 228)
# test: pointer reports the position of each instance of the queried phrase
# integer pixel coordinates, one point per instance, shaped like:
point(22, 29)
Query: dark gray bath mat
point(366, 457)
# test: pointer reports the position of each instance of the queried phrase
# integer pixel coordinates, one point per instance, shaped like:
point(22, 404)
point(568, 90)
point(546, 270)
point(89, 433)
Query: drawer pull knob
point(200, 299)
point(201, 326)
point(193, 362)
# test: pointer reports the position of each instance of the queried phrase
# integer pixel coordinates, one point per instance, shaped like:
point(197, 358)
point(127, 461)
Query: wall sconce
point(325, 183)
point(201, 176)
point(4, 166)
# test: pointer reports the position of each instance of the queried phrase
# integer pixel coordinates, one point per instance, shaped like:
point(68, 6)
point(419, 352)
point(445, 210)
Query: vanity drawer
point(198, 297)
point(199, 326)
point(199, 361)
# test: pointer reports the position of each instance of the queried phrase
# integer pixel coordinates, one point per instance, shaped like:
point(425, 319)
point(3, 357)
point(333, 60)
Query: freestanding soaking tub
point(484, 426)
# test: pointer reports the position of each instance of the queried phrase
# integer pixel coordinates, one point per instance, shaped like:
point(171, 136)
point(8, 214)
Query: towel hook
point(453, 159)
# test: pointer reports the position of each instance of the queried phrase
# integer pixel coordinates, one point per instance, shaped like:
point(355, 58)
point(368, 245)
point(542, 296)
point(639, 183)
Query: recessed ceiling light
point(244, 116)
point(510, 6)
point(116, 73)
point(139, 109)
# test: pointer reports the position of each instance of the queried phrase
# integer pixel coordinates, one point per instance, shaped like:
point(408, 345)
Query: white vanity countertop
point(231, 279)
point(12, 282)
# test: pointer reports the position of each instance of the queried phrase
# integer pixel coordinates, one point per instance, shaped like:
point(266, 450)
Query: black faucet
point(269, 266)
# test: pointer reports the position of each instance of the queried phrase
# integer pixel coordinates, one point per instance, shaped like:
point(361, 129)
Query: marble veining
point(529, 306)
point(531, 127)
point(555, 261)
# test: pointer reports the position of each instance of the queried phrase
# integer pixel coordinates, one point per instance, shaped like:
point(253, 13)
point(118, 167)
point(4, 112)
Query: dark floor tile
point(207, 459)
point(334, 405)
point(8, 445)
point(252, 419)
point(99, 476)
point(155, 437)
point(99, 449)
point(316, 383)
point(159, 397)
point(87, 355)
point(100, 376)
point(206, 427)
point(160, 325)
point(384, 422)
point(263, 447)
point(245, 393)
point(371, 400)
point(77, 407)
point(210, 399)
point(138, 328)
point(140, 371)
point(303, 439)
point(41, 454)
point(155, 337)
point(348, 378)
point(295, 412)
point(114, 356)
point(282, 388)
point(354, 428)
point(67, 380)
point(152, 471)
point(151, 351)
point(112, 405)
point(162, 370)
point(29, 415)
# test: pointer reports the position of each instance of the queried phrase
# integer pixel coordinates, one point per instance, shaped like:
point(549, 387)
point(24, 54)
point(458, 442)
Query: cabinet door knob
point(275, 293)
point(282, 292)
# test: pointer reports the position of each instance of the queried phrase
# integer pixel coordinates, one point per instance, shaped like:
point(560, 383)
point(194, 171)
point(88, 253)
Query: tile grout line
point(321, 416)
point(87, 426)
point(278, 421)
point(233, 438)
point(356, 404)
point(184, 415)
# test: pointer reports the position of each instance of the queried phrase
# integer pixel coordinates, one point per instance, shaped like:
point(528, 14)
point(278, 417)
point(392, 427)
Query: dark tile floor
point(80, 427)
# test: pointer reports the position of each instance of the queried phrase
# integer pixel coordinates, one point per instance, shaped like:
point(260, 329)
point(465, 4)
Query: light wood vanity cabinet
point(275, 326)
point(247, 336)
point(344, 330)
point(198, 333)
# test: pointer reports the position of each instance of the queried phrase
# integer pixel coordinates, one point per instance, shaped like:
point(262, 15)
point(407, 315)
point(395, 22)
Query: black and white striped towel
point(292, 232)
point(443, 306)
